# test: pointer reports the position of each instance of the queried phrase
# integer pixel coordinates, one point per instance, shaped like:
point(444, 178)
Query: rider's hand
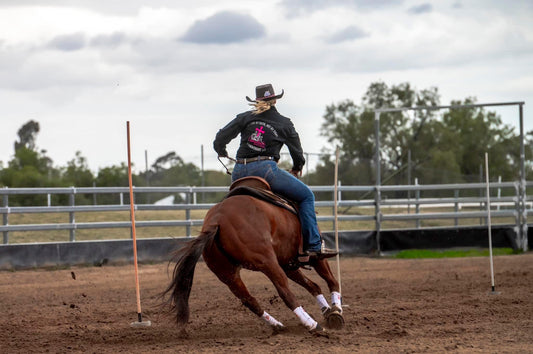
point(295, 173)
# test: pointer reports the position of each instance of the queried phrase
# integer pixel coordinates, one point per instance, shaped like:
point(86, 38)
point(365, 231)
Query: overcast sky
point(180, 70)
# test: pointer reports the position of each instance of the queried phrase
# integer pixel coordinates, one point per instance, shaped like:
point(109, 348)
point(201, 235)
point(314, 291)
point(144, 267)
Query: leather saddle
point(259, 188)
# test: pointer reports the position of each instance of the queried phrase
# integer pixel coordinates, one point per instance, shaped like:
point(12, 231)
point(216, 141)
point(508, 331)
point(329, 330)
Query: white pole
point(489, 221)
point(336, 218)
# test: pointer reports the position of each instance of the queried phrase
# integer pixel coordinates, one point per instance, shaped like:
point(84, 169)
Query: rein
point(229, 158)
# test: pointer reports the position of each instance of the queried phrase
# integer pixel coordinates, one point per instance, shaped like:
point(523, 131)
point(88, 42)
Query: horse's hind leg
point(229, 274)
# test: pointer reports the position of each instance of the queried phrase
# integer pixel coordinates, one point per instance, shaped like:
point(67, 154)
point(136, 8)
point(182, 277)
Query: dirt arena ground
point(392, 306)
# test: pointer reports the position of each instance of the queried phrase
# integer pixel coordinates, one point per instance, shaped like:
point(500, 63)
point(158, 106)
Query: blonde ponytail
point(262, 106)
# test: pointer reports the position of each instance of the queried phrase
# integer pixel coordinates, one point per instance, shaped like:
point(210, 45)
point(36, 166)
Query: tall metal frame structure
point(522, 217)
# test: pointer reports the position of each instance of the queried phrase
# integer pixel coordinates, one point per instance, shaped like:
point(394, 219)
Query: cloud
point(224, 27)
point(298, 8)
point(347, 34)
point(68, 43)
point(420, 9)
point(121, 8)
point(112, 40)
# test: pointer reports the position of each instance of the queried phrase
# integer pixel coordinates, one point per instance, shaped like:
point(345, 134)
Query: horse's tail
point(186, 258)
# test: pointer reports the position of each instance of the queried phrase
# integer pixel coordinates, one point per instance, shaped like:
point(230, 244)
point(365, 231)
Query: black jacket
point(261, 135)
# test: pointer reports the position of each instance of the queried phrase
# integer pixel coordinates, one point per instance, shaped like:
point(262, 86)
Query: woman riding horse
point(243, 231)
point(263, 133)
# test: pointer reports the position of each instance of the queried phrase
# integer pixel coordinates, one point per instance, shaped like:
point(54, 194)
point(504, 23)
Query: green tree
point(27, 135)
point(112, 176)
point(171, 170)
point(29, 167)
point(351, 127)
point(472, 132)
point(445, 146)
point(77, 172)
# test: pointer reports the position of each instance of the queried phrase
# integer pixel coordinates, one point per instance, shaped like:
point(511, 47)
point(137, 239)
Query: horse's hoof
point(318, 331)
point(336, 308)
point(335, 320)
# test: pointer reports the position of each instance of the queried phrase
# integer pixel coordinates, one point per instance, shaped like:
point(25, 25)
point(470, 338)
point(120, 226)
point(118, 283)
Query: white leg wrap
point(304, 317)
point(322, 302)
point(336, 299)
point(271, 320)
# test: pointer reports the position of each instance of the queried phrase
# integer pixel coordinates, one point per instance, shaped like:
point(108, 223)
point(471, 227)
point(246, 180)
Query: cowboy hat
point(265, 93)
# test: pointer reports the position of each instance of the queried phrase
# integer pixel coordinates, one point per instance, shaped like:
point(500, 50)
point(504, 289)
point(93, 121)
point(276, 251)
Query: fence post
point(378, 181)
point(333, 223)
point(518, 214)
point(5, 216)
point(417, 208)
point(456, 208)
point(499, 192)
point(72, 219)
point(409, 181)
point(377, 201)
point(188, 212)
point(481, 208)
point(522, 231)
point(525, 240)
point(94, 193)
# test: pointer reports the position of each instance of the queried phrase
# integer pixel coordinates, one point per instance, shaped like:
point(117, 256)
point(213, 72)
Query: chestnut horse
point(243, 231)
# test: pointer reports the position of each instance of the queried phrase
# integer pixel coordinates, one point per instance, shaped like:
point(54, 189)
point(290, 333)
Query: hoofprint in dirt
point(391, 306)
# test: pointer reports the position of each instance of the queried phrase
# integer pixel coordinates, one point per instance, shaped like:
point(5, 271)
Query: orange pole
point(132, 217)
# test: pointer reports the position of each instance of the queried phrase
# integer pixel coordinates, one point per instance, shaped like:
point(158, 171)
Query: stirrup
point(323, 253)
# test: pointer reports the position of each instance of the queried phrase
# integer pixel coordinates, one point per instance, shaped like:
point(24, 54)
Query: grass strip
point(474, 252)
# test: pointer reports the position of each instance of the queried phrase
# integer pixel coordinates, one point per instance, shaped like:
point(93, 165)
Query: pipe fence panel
point(381, 208)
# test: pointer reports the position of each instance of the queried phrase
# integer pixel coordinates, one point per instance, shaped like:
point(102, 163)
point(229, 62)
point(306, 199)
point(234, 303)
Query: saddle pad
point(264, 195)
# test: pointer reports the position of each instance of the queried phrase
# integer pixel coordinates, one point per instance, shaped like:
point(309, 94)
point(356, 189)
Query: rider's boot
point(322, 252)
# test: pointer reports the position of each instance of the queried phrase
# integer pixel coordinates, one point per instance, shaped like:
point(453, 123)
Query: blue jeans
point(285, 184)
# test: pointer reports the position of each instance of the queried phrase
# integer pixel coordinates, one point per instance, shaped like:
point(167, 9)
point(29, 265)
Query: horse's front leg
point(324, 271)
point(314, 289)
point(278, 277)
point(333, 315)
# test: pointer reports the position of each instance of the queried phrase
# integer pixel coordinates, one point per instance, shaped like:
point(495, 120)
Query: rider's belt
point(254, 159)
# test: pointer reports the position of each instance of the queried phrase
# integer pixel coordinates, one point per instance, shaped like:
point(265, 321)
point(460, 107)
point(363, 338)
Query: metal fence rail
point(511, 202)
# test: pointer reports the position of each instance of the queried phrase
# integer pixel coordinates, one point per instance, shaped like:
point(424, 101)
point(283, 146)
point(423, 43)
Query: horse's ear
point(250, 181)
